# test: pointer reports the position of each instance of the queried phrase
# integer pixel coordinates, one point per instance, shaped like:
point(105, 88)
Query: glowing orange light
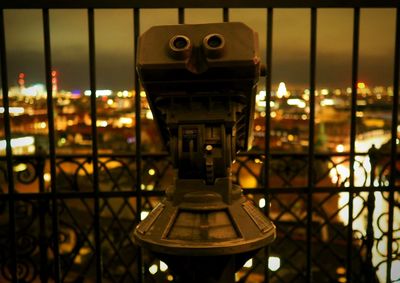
point(361, 85)
point(21, 79)
point(54, 73)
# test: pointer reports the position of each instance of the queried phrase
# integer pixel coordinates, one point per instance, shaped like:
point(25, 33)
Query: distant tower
point(321, 141)
point(54, 81)
point(21, 80)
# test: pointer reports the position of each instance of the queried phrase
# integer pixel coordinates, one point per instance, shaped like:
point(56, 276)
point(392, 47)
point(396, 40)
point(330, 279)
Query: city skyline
point(115, 54)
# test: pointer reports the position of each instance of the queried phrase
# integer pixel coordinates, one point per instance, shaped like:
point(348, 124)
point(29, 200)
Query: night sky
point(115, 54)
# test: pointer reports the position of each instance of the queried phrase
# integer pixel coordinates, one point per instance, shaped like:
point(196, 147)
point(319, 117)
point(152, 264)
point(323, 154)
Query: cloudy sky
point(114, 44)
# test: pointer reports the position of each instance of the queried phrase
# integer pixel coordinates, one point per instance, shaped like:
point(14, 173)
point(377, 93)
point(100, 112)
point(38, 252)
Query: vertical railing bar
point(393, 149)
point(136, 33)
point(42, 210)
point(311, 148)
point(181, 15)
point(95, 159)
point(52, 147)
point(354, 79)
point(9, 156)
point(369, 242)
point(225, 15)
point(267, 152)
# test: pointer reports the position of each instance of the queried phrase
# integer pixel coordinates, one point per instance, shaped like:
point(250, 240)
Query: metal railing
point(94, 237)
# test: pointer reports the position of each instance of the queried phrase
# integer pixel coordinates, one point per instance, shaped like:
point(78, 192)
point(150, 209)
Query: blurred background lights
point(99, 92)
point(47, 177)
point(395, 271)
point(153, 269)
point(149, 115)
point(13, 110)
point(281, 90)
point(20, 167)
point(261, 203)
point(18, 142)
point(274, 263)
point(163, 266)
point(143, 215)
point(361, 85)
point(340, 148)
point(248, 263)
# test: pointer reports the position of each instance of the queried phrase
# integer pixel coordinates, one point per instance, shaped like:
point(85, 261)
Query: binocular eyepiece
point(213, 46)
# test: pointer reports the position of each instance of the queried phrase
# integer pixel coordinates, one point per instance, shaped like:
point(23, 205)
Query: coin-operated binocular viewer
point(200, 82)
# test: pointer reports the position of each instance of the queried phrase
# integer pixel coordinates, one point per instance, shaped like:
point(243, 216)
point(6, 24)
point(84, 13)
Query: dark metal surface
point(95, 161)
point(181, 16)
point(354, 81)
point(138, 160)
point(393, 145)
point(9, 156)
point(52, 146)
point(311, 147)
point(267, 145)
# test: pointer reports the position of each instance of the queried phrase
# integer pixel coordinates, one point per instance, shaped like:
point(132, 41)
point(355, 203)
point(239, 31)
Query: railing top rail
point(160, 155)
point(82, 4)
